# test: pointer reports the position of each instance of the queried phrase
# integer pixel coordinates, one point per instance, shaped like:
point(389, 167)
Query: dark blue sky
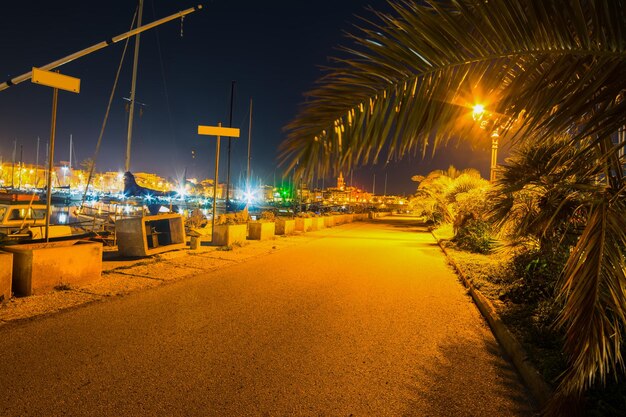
point(272, 49)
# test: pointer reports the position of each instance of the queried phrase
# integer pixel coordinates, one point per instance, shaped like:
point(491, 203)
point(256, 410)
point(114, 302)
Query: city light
point(249, 196)
point(107, 186)
point(181, 191)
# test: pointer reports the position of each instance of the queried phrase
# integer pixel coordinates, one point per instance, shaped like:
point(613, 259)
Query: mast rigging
point(28, 75)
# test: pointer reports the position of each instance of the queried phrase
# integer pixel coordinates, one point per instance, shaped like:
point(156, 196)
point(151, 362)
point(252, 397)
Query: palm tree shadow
point(462, 382)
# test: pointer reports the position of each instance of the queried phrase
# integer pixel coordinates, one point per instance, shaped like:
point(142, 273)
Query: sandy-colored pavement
point(365, 319)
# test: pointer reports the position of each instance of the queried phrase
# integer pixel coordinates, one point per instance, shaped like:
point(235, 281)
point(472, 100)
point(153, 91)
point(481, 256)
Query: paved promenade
point(365, 319)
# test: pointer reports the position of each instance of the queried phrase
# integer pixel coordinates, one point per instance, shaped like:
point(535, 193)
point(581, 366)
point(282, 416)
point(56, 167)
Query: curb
point(535, 383)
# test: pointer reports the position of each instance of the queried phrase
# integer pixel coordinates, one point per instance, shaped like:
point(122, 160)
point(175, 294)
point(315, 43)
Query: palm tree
point(543, 193)
point(432, 195)
point(458, 198)
point(440, 191)
point(542, 67)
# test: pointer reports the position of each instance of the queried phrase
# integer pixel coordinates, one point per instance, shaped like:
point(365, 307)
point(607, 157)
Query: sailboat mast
point(249, 142)
point(13, 164)
point(47, 171)
point(37, 165)
point(21, 166)
point(70, 152)
point(230, 124)
point(385, 191)
point(131, 113)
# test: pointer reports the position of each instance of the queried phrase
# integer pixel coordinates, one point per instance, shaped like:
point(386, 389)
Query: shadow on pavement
point(454, 386)
point(391, 224)
point(401, 221)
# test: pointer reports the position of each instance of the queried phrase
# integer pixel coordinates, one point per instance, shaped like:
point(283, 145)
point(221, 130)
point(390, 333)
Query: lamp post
point(494, 155)
point(478, 111)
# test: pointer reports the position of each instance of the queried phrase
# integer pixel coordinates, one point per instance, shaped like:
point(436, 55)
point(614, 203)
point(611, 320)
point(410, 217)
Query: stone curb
point(538, 387)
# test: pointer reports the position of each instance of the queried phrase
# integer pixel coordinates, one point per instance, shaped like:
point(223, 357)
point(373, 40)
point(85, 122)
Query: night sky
point(272, 49)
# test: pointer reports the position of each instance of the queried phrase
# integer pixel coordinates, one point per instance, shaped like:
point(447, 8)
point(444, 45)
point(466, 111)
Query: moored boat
point(23, 219)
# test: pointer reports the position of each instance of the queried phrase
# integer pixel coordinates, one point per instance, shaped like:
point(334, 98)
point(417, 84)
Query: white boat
point(23, 218)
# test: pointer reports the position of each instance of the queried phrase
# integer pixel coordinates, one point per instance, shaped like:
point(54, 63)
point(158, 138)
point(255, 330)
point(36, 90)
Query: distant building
point(303, 194)
point(317, 196)
point(267, 193)
point(111, 181)
point(342, 194)
point(341, 184)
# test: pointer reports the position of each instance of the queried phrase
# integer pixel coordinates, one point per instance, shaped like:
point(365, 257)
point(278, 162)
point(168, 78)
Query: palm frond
point(409, 79)
point(594, 289)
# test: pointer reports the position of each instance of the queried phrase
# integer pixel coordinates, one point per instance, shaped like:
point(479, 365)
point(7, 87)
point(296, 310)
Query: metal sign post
point(53, 126)
point(217, 131)
point(56, 81)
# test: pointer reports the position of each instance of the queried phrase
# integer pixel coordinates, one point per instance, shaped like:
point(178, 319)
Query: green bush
point(536, 276)
point(475, 236)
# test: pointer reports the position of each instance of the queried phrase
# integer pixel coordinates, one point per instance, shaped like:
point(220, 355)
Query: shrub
point(233, 218)
point(536, 275)
point(268, 216)
point(475, 236)
point(196, 220)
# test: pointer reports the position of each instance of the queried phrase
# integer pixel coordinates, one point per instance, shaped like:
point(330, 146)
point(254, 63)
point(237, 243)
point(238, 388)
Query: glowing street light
point(478, 111)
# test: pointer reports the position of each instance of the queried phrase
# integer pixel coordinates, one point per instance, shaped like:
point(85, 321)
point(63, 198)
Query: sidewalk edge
point(538, 387)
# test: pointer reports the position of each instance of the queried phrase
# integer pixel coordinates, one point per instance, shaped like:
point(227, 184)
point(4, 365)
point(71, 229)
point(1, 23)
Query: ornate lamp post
point(478, 111)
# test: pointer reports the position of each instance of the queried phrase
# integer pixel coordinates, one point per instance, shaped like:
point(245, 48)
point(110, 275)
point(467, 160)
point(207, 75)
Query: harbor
point(313, 208)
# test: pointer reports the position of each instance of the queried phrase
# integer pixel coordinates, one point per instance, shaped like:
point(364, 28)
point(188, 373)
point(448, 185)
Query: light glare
point(477, 111)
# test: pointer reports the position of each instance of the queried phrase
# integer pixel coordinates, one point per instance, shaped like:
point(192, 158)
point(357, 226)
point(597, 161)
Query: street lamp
point(478, 111)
